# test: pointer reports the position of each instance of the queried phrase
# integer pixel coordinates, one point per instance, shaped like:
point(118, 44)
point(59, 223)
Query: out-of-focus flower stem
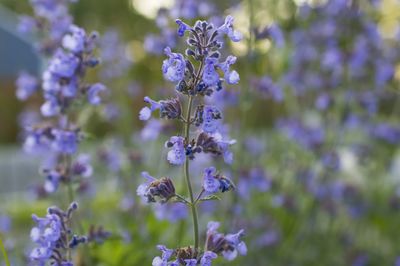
point(3, 250)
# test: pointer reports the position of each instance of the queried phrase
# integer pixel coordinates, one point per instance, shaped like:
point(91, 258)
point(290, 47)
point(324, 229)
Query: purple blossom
point(93, 93)
point(26, 86)
point(182, 27)
point(213, 182)
point(227, 28)
point(231, 77)
point(210, 75)
point(174, 67)
point(142, 188)
point(239, 246)
point(166, 255)
point(75, 40)
point(63, 64)
point(211, 118)
point(145, 112)
point(207, 258)
point(176, 155)
point(210, 183)
point(65, 141)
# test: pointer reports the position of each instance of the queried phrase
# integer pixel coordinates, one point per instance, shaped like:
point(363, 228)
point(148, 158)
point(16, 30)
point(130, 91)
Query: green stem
point(188, 183)
point(3, 250)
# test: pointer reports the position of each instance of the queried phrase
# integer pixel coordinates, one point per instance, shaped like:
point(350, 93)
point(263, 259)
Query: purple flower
point(142, 188)
point(176, 155)
point(213, 182)
point(65, 141)
point(52, 181)
point(210, 75)
point(50, 235)
point(210, 182)
point(228, 245)
point(75, 41)
point(145, 112)
point(191, 262)
point(82, 166)
point(238, 245)
point(211, 117)
point(93, 93)
point(173, 68)
point(227, 28)
point(182, 27)
point(63, 64)
point(276, 34)
point(26, 86)
point(166, 255)
point(207, 258)
point(231, 77)
point(50, 107)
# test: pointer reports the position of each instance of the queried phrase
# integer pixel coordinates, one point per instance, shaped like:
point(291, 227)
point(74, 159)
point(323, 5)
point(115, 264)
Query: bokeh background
point(315, 116)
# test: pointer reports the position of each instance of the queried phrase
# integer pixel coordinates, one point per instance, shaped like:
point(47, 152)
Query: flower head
point(173, 68)
point(177, 153)
point(227, 28)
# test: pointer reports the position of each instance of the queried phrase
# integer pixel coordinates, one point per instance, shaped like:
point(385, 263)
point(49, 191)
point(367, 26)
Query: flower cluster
point(196, 75)
point(63, 79)
point(187, 9)
point(54, 237)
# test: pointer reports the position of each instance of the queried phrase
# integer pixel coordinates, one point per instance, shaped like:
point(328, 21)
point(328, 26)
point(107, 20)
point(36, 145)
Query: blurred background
point(315, 116)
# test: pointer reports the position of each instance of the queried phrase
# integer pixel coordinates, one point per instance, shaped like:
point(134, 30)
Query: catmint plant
point(65, 91)
point(196, 75)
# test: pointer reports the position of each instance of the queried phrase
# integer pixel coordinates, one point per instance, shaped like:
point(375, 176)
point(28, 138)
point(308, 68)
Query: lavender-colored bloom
point(26, 86)
point(227, 28)
point(182, 27)
point(211, 118)
point(65, 141)
point(75, 41)
point(210, 75)
point(82, 166)
point(145, 112)
point(50, 235)
point(276, 35)
point(228, 245)
point(52, 181)
point(224, 147)
point(231, 77)
point(50, 107)
point(173, 68)
point(93, 93)
point(166, 255)
point(239, 246)
point(63, 64)
point(207, 258)
point(210, 182)
point(142, 188)
point(176, 155)
point(191, 262)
